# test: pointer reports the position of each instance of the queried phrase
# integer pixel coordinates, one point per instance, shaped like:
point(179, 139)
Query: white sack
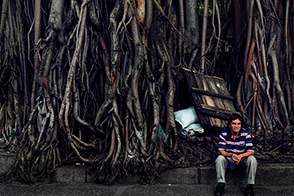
point(186, 117)
point(193, 128)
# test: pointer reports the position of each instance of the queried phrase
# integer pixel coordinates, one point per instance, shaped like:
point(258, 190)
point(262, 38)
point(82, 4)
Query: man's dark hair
point(235, 116)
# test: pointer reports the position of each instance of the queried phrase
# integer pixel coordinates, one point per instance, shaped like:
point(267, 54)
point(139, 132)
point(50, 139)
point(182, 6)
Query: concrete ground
point(85, 189)
point(271, 180)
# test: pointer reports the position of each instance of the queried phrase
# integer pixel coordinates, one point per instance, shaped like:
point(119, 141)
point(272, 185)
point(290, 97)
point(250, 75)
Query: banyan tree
point(98, 81)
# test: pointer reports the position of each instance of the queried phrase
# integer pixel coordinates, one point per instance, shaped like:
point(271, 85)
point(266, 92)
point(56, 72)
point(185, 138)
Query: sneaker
point(249, 191)
point(220, 188)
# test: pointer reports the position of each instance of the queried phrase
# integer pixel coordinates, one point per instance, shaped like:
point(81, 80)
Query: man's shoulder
point(224, 132)
point(244, 132)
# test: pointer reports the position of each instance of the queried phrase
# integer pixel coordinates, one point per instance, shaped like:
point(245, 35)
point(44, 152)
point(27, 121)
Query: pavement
point(85, 189)
point(271, 180)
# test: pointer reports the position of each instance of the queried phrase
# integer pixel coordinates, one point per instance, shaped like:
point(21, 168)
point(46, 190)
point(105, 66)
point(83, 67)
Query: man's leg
point(251, 164)
point(221, 164)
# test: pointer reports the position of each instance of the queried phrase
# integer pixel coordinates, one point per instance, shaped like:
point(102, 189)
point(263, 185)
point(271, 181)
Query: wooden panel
point(210, 98)
point(218, 95)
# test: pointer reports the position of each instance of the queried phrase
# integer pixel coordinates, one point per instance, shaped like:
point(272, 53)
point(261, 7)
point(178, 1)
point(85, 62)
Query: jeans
point(222, 163)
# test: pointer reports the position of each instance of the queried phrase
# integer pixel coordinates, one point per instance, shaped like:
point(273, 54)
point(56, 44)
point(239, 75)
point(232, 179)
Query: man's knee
point(220, 159)
point(251, 160)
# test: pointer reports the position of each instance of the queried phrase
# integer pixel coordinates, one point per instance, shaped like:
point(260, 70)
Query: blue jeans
point(222, 163)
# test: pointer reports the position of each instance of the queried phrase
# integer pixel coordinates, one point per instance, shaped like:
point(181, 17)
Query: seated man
point(235, 151)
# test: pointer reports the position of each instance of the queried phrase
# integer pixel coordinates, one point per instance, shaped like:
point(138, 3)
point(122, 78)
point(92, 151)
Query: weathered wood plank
point(197, 90)
point(210, 97)
point(218, 112)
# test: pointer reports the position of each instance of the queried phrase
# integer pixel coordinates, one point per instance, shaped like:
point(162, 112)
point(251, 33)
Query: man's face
point(236, 126)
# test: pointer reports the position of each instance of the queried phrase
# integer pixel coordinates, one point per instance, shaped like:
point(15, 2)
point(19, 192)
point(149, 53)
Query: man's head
point(235, 123)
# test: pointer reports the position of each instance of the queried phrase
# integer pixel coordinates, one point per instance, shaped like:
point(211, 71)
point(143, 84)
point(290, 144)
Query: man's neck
point(234, 135)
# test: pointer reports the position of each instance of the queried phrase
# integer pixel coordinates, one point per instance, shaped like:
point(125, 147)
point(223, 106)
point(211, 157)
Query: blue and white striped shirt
point(243, 142)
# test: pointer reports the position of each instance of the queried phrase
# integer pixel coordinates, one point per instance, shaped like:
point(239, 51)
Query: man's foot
point(220, 188)
point(249, 191)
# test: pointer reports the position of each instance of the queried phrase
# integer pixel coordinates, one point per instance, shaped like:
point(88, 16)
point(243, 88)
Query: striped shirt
point(243, 142)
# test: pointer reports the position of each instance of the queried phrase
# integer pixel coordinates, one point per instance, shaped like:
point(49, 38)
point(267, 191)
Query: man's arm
point(240, 156)
point(225, 153)
point(249, 149)
point(236, 158)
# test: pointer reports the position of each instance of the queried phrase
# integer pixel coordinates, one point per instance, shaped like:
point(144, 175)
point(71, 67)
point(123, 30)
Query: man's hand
point(236, 158)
